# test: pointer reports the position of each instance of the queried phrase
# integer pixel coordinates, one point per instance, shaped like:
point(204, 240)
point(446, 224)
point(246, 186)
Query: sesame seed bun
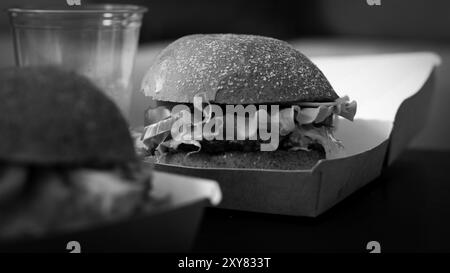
point(235, 69)
point(53, 117)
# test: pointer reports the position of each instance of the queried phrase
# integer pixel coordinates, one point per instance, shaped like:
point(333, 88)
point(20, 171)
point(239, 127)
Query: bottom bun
point(277, 160)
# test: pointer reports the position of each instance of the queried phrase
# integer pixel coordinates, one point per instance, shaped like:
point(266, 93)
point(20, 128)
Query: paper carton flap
point(379, 83)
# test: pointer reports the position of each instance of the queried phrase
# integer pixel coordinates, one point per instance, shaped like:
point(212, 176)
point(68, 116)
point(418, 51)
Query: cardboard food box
point(393, 93)
point(170, 228)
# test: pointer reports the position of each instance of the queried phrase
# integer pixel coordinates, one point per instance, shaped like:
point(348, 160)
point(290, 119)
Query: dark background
point(396, 19)
point(316, 27)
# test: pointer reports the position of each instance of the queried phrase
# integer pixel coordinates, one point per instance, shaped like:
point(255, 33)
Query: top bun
point(235, 69)
point(53, 117)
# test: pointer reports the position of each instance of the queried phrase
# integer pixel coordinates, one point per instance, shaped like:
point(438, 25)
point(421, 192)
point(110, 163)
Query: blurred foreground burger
point(230, 70)
point(67, 159)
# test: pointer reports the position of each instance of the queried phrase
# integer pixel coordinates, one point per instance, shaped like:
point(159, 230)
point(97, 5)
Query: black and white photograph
point(224, 135)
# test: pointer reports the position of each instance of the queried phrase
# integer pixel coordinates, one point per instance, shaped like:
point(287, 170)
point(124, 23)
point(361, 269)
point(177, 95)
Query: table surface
point(406, 209)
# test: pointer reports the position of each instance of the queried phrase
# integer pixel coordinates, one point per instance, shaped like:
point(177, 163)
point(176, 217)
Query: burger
point(286, 91)
point(67, 160)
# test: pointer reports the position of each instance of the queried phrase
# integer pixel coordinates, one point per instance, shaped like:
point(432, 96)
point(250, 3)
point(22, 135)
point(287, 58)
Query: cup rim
point(85, 9)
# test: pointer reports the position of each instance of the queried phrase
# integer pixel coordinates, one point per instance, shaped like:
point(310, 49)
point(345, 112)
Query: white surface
point(184, 190)
point(379, 84)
